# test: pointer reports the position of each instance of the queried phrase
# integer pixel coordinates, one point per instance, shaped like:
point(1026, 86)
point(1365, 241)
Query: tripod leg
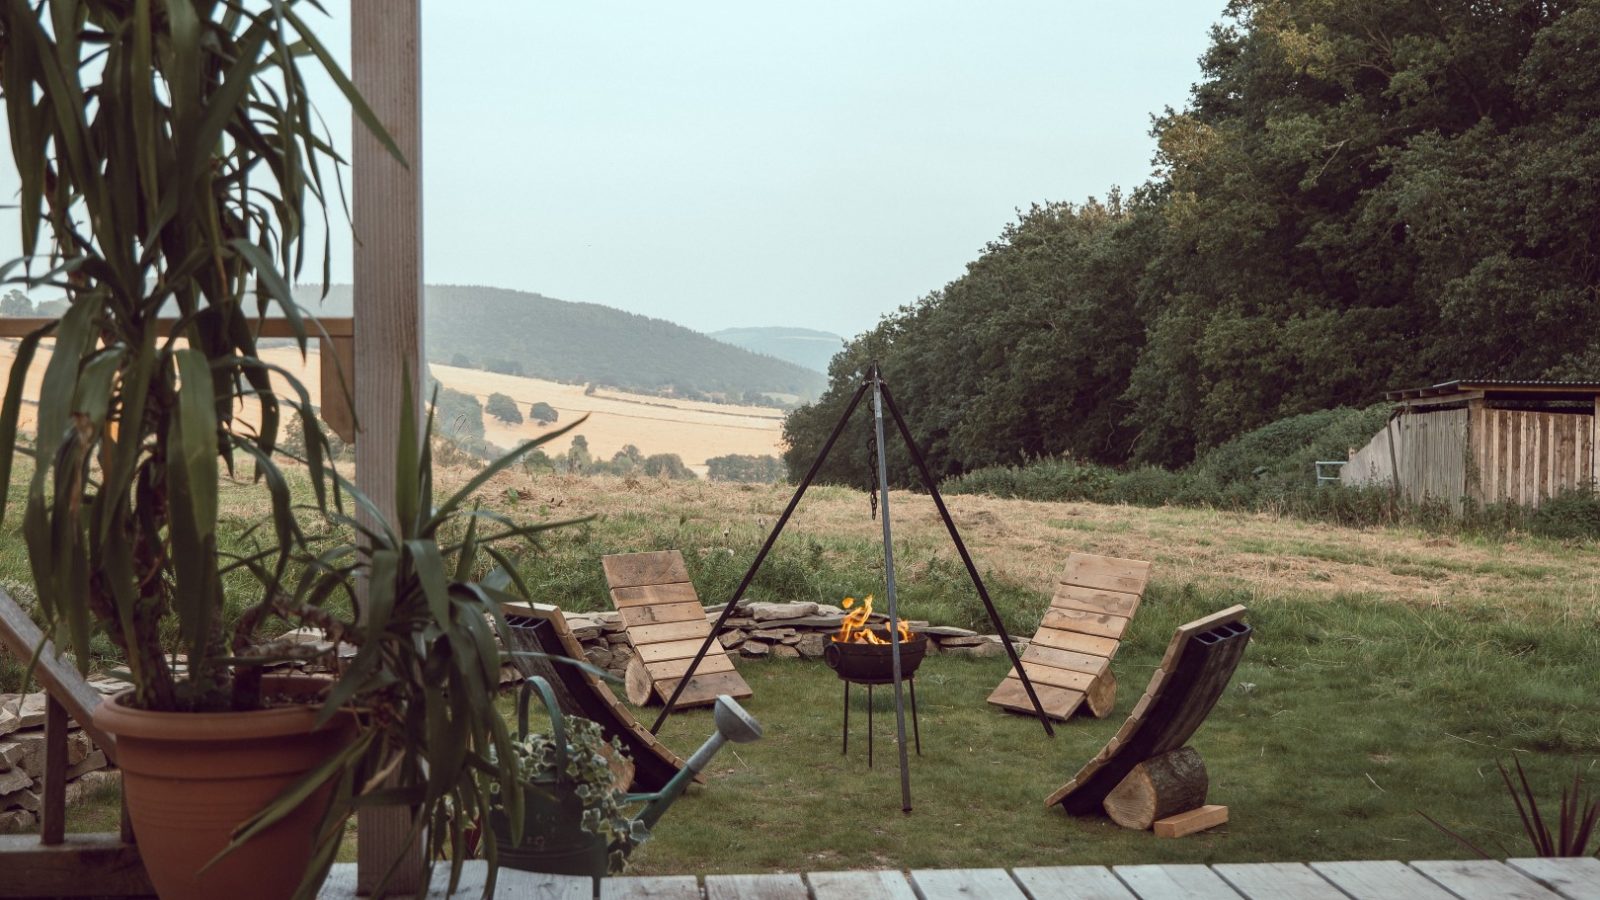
point(845, 732)
point(869, 726)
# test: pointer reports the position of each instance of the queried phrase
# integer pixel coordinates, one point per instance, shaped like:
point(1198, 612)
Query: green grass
point(1364, 709)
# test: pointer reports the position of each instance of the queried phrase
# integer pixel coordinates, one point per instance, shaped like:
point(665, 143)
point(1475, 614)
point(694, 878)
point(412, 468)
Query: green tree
point(16, 303)
point(543, 413)
point(502, 407)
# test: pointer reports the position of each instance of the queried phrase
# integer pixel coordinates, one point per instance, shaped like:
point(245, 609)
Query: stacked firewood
point(22, 759)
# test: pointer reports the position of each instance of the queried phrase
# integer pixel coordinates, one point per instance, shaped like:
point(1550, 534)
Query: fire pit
point(861, 654)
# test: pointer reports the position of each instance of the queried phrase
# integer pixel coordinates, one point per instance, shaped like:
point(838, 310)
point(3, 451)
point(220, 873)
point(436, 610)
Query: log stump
point(1101, 697)
point(637, 681)
point(1161, 786)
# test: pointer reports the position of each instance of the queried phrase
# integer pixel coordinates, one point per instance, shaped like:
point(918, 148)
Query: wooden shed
point(1488, 440)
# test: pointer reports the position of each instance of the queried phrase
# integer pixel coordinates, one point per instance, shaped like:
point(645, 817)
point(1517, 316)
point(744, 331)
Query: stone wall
point(22, 759)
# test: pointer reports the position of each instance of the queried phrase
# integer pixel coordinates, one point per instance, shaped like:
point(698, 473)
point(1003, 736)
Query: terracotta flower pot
point(190, 778)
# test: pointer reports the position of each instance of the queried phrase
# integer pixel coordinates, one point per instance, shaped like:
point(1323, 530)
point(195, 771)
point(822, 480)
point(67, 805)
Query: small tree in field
point(543, 413)
point(502, 407)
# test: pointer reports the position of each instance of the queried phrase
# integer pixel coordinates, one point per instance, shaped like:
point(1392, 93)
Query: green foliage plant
point(168, 158)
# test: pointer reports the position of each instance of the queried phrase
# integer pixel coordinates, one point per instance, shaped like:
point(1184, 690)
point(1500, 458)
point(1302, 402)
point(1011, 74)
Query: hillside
point(577, 343)
point(802, 346)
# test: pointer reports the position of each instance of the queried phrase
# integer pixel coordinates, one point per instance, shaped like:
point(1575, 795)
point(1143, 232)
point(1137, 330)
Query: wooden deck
point(1515, 879)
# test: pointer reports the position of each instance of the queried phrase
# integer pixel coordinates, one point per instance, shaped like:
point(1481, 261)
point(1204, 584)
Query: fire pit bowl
point(865, 663)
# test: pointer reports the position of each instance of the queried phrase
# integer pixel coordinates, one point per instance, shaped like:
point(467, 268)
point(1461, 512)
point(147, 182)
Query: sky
point(731, 164)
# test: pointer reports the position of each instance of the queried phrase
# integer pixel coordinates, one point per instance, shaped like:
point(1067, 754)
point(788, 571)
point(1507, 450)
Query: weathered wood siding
point(1490, 455)
point(1525, 457)
point(1430, 454)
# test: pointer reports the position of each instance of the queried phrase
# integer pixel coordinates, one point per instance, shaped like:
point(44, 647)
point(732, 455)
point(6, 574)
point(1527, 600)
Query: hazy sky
point(739, 163)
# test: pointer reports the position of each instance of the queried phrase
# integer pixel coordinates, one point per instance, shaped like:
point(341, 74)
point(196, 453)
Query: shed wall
point(1526, 457)
point(1430, 453)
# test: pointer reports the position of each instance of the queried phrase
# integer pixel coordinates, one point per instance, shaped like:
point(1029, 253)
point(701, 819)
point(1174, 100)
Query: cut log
point(1159, 787)
point(1101, 697)
point(637, 681)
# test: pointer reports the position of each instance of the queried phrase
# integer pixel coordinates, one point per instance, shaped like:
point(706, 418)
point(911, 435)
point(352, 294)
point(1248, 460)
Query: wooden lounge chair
point(1191, 678)
point(1069, 658)
point(543, 629)
point(666, 625)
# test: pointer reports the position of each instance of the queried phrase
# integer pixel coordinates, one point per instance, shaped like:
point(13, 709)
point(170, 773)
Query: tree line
point(1356, 197)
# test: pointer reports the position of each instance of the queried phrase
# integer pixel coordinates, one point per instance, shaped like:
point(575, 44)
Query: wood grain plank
point(716, 661)
point(949, 884)
point(1058, 703)
point(650, 887)
point(1054, 677)
point(1106, 573)
point(671, 631)
point(1277, 881)
point(1113, 603)
point(1576, 877)
point(782, 886)
point(1076, 642)
point(1190, 629)
point(1087, 663)
point(55, 673)
point(876, 885)
point(625, 570)
point(1182, 882)
point(1095, 623)
point(652, 594)
point(704, 689)
point(1380, 880)
point(1482, 879)
point(85, 864)
point(675, 650)
point(1071, 883)
point(542, 885)
point(662, 613)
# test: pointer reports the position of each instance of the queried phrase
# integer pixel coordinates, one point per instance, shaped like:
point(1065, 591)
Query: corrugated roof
point(1541, 387)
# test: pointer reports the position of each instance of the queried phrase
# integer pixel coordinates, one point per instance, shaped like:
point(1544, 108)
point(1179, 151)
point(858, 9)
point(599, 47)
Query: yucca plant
point(1576, 817)
point(168, 158)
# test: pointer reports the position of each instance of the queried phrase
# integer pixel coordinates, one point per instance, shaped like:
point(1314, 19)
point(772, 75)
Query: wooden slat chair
point(543, 629)
point(1069, 658)
point(1191, 678)
point(666, 625)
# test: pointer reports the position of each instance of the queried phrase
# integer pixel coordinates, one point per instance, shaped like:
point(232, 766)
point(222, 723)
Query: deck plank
point(877, 885)
point(952, 884)
point(1071, 883)
point(1277, 881)
point(657, 887)
point(1482, 879)
point(781, 886)
point(1380, 880)
point(1576, 878)
point(1177, 882)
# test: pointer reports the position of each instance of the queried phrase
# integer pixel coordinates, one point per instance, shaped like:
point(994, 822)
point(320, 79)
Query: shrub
point(543, 413)
point(502, 407)
point(745, 468)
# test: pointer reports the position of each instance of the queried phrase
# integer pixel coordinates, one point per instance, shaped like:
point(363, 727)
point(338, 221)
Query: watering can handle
point(558, 728)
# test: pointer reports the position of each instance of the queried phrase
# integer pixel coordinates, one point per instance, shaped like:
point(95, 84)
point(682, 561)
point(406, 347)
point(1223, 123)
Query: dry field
point(694, 431)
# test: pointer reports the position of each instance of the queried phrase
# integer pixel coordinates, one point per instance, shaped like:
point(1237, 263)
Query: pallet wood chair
point(539, 628)
point(666, 626)
point(1145, 774)
point(1069, 658)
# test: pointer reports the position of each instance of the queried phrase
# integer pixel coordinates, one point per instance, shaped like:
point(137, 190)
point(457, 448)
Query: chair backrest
point(1194, 672)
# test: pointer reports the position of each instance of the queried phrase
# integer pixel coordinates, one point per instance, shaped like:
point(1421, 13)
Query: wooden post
point(53, 813)
point(385, 63)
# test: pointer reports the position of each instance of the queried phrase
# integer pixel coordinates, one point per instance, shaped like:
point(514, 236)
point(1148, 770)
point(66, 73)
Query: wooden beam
point(82, 865)
point(22, 326)
point(59, 677)
point(386, 66)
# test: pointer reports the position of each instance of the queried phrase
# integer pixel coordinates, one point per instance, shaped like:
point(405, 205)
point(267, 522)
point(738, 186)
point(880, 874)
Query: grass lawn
point(1390, 668)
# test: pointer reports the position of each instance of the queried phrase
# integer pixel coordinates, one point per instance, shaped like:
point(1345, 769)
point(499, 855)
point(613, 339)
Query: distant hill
point(801, 346)
point(530, 334)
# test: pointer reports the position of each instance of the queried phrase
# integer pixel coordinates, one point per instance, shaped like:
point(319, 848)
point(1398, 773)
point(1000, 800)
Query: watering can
point(553, 839)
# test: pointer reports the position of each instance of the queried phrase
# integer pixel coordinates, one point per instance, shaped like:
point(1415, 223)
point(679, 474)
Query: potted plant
point(167, 160)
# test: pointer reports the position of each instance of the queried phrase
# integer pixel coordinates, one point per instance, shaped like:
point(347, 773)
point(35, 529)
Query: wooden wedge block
point(1187, 823)
point(1163, 785)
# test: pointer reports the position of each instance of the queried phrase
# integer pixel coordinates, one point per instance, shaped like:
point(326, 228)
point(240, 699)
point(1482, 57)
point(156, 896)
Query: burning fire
point(856, 625)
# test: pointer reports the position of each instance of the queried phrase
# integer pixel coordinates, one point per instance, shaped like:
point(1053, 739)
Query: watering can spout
point(733, 724)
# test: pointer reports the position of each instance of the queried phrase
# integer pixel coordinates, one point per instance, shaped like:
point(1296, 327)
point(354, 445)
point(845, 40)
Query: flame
point(855, 626)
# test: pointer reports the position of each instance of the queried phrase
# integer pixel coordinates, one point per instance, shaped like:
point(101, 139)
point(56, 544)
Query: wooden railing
point(335, 345)
point(55, 863)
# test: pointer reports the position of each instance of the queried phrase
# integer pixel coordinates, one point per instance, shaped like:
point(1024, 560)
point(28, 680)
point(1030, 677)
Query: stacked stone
point(763, 630)
point(22, 759)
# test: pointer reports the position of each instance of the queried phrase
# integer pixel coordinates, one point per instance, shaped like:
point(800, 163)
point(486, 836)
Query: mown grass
point(1354, 707)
